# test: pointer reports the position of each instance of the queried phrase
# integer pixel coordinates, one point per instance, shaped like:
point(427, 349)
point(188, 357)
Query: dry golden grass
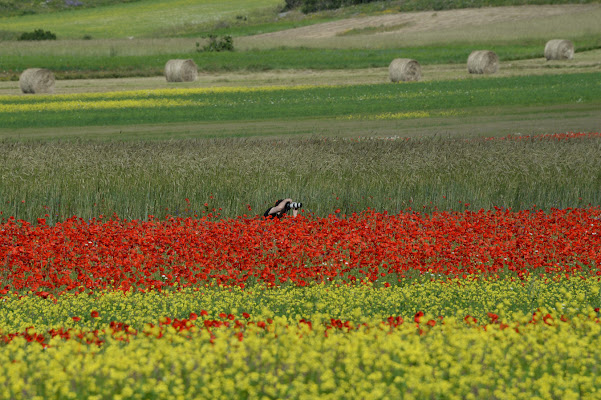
point(425, 28)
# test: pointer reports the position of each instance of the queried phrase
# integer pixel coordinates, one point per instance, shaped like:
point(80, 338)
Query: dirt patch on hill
point(410, 22)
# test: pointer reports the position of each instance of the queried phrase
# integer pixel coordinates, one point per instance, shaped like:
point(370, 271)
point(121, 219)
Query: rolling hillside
point(149, 18)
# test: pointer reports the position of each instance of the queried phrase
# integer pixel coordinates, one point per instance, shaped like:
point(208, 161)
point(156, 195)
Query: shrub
point(217, 43)
point(292, 4)
point(38, 34)
point(309, 6)
point(316, 5)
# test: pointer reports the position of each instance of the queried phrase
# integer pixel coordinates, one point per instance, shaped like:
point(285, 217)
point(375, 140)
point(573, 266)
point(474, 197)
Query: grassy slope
point(11, 8)
point(571, 24)
point(177, 18)
point(148, 17)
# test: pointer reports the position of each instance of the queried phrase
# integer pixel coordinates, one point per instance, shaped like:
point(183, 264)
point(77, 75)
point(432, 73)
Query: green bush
point(222, 43)
point(38, 34)
point(292, 4)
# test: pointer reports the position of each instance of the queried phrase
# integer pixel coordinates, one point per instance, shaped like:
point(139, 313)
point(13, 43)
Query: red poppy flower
point(418, 316)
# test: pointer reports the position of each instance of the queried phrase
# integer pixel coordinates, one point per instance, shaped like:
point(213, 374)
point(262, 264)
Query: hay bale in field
point(559, 49)
point(37, 80)
point(404, 69)
point(181, 70)
point(482, 62)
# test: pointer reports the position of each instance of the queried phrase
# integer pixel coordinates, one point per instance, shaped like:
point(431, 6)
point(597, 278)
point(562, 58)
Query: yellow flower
point(75, 105)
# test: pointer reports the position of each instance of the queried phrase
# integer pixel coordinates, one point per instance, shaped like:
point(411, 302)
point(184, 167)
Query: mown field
point(126, 54)
point(107, 62)
point(448, 246)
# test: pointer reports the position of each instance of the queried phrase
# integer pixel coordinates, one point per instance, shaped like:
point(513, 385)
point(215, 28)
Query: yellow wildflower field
point(475, 339)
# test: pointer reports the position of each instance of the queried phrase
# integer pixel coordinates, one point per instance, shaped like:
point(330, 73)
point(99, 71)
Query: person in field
point(280, 209)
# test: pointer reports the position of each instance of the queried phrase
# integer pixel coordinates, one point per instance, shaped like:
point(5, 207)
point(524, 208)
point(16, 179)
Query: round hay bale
point(559, 49)
point(37, 80)
point(404, 69)
point(181, 70)
point(482, 62)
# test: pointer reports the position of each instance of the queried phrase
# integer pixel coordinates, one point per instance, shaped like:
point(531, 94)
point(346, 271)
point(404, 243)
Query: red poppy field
point(78, 255)
point(369, 305)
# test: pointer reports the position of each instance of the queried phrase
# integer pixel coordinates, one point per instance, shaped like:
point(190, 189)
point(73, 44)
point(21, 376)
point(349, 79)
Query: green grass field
point(383, 101)
point(158, 148)
point(152, 17)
